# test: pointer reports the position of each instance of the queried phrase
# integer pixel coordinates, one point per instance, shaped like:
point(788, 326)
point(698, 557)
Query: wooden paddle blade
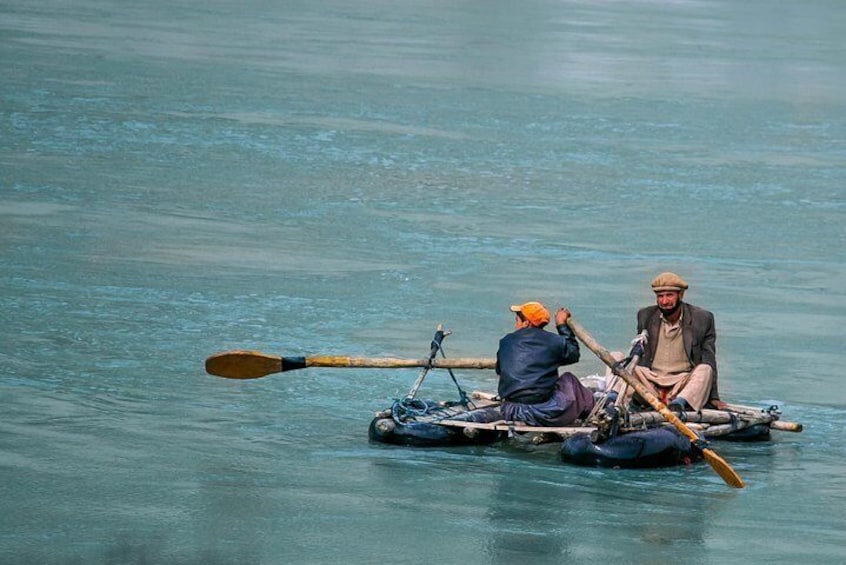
point(243, 364)
point(723, 469)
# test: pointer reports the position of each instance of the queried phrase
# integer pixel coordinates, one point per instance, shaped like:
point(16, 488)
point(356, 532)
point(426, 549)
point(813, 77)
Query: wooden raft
point(708, 422)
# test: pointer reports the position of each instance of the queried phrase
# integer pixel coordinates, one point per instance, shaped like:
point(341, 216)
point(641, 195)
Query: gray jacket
point(698, 332)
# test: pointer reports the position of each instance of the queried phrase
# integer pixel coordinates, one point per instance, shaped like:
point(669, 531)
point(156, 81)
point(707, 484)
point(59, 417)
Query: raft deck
point(708, 422)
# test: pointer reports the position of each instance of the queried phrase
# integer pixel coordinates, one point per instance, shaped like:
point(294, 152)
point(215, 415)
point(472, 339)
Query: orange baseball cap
point(535, 312)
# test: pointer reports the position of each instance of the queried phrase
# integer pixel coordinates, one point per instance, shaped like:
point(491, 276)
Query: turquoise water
point(304, 178)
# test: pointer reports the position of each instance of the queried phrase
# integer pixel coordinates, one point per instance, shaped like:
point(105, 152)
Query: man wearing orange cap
point(527, 363)
point(679, 364)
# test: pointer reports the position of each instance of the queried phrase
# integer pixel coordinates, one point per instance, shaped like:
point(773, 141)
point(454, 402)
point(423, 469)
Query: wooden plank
point(747, 414)
point(704, 416)
point(519, 427)
point(786, 426)
point(776, 422)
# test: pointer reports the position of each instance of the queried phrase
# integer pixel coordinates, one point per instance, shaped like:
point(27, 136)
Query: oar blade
point(723, 469)
point(243, 364)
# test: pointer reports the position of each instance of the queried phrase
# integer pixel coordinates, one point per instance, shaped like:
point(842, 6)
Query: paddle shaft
point(717, 463)
point(390, 363)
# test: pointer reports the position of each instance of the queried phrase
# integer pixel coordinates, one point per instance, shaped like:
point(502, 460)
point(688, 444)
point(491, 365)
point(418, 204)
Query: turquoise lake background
point(327, 177)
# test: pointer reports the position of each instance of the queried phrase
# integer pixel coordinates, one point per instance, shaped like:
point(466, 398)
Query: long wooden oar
point(722, 468)
point(243, 364)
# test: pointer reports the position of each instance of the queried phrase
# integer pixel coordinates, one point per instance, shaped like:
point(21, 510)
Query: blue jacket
point(528, 359)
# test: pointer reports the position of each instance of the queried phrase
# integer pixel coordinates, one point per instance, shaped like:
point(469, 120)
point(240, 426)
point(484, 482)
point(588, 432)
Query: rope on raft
point(411, 407)
point(424, 411)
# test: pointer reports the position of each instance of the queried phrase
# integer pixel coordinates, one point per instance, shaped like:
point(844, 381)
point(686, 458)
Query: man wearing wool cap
point(679, 363)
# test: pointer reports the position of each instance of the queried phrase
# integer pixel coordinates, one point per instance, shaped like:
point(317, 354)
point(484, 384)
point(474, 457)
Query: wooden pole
point(245, 364)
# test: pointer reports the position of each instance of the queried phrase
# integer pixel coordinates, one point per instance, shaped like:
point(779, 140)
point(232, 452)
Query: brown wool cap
point(668, 281)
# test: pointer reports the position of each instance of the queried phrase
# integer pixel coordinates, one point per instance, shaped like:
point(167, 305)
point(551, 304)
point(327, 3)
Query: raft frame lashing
point(420, 408)
point(434, 347)
point(598, 414)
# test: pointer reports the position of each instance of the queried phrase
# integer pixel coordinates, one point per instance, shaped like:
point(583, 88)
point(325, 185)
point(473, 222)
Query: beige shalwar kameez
point(671, 375)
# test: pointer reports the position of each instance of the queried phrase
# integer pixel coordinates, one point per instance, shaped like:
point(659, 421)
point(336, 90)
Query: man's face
point(668, 301)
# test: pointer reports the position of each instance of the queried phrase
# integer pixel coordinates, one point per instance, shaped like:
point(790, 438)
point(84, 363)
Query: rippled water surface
point(303, 178)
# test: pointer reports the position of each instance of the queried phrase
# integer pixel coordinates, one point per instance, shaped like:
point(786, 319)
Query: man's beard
point(667, 312)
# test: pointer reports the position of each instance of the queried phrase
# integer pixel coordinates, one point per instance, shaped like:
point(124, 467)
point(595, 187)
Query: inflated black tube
point(755, 432)
point(424, 434)
point(656, 447)
point(411, 431)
